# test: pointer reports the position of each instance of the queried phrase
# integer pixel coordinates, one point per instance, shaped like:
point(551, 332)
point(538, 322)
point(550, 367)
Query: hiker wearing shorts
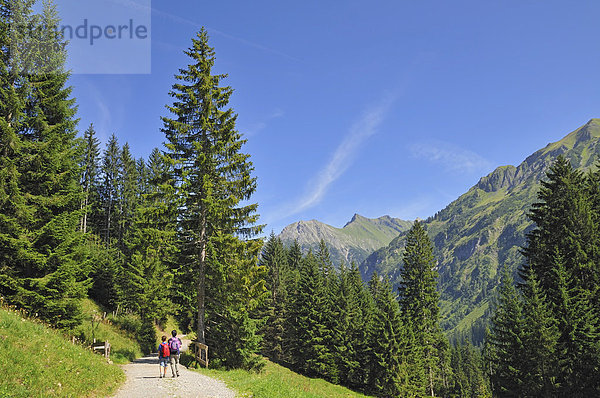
point(174, 348)
point(163, 357)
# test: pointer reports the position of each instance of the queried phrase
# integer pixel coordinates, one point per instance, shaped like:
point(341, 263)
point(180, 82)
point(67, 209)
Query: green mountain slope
point(483, 230)
point(354, 242)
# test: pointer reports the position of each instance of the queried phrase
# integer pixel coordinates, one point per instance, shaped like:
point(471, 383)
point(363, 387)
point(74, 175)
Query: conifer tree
point(310, 353)
point(360, 310)
point(419, 301)
point(578, 346)
point(213, 179)
point(49, 272)
point(348, 326)
point(236, 287)
point(129, 193)
point(110, 190)
point(274, 259)
point(385, 363)
point(565, 225)
point(540, 339)
point(89, 174)
point(151, 244)
point(505, 342)
point(330, 310)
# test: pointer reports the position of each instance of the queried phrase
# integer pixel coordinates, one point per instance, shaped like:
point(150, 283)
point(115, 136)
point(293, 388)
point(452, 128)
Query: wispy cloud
point(451, 157)
point(196, 25)
point(255, 128)
point(343, 156)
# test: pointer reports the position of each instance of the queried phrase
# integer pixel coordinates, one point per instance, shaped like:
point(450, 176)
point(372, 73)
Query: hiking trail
point(143, 381)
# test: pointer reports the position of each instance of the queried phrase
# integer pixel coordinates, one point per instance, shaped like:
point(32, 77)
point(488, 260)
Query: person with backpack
point(164, 354)
point(174, 348)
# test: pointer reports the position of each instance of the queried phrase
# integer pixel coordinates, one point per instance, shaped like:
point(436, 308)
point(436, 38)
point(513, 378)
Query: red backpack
point(164, 350)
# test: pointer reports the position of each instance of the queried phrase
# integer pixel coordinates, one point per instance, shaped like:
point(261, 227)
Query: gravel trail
point(143, 382)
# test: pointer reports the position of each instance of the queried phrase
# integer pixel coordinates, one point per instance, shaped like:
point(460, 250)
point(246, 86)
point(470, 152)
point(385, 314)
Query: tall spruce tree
point(386, 370)
point(505, 342)
point(151, 247)
point(564, 220)
point(110, 189)
point(310, 354)
point(419, 301)
point(129, 194)
point(49, 269)
point(540, 340)
point(274, 259)
point(213, 177)
point(89, 174)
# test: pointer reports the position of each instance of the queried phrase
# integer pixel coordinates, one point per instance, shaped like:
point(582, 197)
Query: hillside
point(354, 242)
point(484, 228)
point(37, 361)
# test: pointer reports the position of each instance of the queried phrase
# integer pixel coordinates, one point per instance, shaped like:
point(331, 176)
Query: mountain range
point(482, 231)
point(351, 243)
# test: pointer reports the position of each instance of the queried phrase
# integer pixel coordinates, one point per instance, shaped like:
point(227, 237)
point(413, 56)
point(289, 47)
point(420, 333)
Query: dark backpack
point(174, 345)
point(164, 350)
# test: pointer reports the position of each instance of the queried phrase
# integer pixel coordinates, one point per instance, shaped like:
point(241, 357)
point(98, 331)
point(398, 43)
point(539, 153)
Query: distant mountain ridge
point(483, 230)
point(353, 242)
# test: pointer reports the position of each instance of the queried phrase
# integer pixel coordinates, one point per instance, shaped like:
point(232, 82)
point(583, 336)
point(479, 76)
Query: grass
point(124, 346)
point(37, 361)
point(467, 321)
point(278, 381)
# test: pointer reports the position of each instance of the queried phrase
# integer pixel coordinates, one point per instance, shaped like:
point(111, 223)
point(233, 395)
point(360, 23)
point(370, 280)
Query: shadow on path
point(150, 359)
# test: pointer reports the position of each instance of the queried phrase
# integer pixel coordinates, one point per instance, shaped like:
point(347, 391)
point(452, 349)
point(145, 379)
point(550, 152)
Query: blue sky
point(369, 107)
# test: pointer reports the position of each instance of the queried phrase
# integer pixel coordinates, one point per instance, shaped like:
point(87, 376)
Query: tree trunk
point(202, 281)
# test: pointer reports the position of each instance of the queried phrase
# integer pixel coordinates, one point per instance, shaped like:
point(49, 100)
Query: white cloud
point(255, 128)
point(452, 157)
point(343, 156)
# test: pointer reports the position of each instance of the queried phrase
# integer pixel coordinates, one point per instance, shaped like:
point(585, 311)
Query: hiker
point(174, 347)
point(163, 357)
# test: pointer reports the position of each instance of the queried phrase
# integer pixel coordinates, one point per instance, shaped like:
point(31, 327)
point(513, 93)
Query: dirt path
point(143, 382)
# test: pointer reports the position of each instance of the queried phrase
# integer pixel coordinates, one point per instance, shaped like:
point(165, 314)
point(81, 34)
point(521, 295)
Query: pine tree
point(578, 345)
point(274, 259)
point(505, 342)
point(236, 288)
point(565, 225)
point(419, 301)
point(14, 212)
point(468, 380)
point(385, 362)
point(330, 311)
point(292, 306)
point(360, 310)
point(128, 189)
point(540, 338)
point(348, 326)
point(109, 189)
point(308, 350)
point(150, 241)
point(89, 174)
point(212, 177)
point(49, 272)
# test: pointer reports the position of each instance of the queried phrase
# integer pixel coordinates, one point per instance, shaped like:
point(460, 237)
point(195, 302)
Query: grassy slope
point(277, 381)
point(124, 347)
point(36, 361)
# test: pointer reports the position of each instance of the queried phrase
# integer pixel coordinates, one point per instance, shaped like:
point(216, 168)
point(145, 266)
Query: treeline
point(153, 237)
point(545, 333)
point(323, 321)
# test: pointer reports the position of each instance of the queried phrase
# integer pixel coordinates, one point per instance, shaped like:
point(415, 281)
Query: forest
point(178, 234)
